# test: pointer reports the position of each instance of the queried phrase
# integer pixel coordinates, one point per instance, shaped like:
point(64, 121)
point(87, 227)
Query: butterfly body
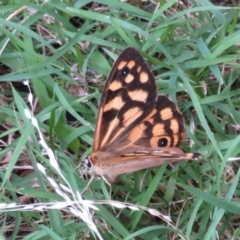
point(136, 129)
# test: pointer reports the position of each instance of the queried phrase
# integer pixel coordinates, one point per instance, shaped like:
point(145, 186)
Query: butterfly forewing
point(128, 97)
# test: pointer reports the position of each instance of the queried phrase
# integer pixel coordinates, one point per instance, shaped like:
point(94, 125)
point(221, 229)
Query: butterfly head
point(87, 162)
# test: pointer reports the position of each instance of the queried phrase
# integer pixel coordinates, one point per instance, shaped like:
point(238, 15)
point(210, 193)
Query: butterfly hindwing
point(128, 97)
point(163, 127)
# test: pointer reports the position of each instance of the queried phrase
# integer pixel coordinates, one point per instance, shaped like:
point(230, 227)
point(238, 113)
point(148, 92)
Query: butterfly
point(136, 128)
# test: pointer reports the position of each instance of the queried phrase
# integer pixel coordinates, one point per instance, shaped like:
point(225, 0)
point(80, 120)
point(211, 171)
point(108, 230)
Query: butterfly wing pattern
point(136, 129)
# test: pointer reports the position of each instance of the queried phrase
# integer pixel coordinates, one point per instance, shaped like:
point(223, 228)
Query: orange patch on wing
point(158, 130)
point(121, 65)
point(131, 64)
point(149, 117)
point(115, 103)
point(131, 115)
point(154, 142)
point(151, 120)
point(138, 95)
point(129, 78)
point(166, 114)
point(142, 126)
point(139, 69)
point(143, 77)
point(174, 126)
point(135, 134)
point(115, 85)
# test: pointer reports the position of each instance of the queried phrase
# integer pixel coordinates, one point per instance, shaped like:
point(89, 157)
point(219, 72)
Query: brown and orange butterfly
point(136, 128)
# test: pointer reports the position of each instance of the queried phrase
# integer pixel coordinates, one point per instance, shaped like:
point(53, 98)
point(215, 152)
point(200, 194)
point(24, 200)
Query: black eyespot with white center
point(125, 71)
point(162, 142)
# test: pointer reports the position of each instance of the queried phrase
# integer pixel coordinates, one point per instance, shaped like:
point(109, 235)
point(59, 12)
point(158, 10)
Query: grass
point(194, 53)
